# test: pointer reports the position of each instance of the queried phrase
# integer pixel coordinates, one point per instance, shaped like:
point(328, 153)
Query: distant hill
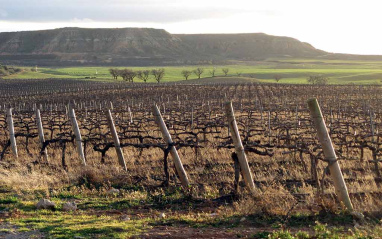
point(92, 46)
point(143, 46)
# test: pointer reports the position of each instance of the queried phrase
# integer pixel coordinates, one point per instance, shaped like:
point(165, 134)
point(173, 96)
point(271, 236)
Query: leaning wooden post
point(174, 153)
point(11, 129)
point(192, 118)
point(371, 126)
point(239, 148)
point(269, 127)
point(41, 133)
point(77, 133)
point(130, 115)
point(329, 153)
point(117, 144)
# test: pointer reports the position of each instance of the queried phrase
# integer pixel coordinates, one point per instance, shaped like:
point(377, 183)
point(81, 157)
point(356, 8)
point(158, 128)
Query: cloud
point(114, 10)
point(83, 20)
point(3, 13)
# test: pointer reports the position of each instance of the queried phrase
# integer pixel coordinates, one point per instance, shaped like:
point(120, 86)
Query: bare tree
point(114, 73)
point(225, 71)
point(158, 74)
point(143, 75)
point(5, 70)
point(198, 72)
point(128, 75)
point(131, 75)
point(213, 71)
point(186, 74)
point(277, 77)
point(123, 74)
point(318, 80)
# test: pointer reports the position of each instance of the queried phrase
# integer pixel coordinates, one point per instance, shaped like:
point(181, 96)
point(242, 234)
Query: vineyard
point(279, 139)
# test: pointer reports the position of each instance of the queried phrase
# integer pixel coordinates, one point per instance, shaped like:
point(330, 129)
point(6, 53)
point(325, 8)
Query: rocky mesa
point(142, 46)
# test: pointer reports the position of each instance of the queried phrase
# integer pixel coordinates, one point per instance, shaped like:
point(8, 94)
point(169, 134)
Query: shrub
point(318, 80)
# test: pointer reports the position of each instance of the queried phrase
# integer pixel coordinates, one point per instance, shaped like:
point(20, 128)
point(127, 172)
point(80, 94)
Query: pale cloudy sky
point(351, 26)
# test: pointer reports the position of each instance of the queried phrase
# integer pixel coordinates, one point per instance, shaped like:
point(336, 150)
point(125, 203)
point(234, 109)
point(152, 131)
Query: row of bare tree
point(129, 75)
point(199, 71)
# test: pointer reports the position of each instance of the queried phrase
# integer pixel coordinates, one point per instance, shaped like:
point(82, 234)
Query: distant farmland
point(291, 71)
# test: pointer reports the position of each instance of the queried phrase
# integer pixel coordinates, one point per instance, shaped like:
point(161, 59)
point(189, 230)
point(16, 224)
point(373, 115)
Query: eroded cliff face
point(119, 45)
point(249, 46)
point(132, 41)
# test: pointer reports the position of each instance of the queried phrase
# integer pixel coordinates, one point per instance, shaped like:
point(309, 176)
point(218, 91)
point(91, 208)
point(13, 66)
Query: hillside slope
point(142, 46)
point(129, 41)
point(250, 46)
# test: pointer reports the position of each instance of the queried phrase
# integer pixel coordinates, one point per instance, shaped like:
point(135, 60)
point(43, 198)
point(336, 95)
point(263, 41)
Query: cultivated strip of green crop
point(294, 71)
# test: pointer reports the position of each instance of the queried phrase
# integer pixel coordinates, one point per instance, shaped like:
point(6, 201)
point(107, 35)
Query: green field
point(293, 71)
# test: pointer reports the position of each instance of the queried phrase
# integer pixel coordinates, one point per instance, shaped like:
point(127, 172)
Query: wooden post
point(239, 148)
point(11, 129)
point(174, 153)
point(329, 153)
point(77, 133)
point(117, 144)
point(371, 125)
point(296, 125)
point(130, 115)
point(67, 110)
point(41, 133)
point(192, 118)
point(269, 127)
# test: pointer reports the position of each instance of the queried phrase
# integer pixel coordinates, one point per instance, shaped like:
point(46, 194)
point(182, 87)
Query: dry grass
point(211, 176)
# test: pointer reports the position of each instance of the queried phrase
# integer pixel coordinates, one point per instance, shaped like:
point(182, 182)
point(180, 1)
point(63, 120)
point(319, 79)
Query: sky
point(340, 26)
